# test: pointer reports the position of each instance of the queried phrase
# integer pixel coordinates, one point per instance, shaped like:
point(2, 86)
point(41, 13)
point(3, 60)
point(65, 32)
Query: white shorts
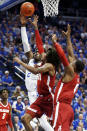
point(32, 96)
point(31, 85)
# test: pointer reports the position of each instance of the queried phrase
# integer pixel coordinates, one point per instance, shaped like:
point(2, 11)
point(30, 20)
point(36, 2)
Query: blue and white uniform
point(31, 82)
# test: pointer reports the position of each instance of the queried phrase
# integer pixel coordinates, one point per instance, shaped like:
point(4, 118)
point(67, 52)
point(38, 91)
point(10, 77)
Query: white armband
point(25, 40)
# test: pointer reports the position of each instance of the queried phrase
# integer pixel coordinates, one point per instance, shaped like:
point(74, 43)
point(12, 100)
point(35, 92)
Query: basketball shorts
point(32, 96)
point(43, 104)
point(63, 116)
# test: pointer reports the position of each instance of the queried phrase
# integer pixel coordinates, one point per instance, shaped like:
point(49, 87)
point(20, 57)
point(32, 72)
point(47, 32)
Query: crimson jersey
point(65, 91)
point(44, 102)
point(45, 84)
point(4, 114)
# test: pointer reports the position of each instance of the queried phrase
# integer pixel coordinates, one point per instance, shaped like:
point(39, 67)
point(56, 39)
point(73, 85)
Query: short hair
point(79, 66)
point(52, 57)
point(3, 90)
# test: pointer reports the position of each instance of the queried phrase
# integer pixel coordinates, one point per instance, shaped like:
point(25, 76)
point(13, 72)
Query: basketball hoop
point(50, 7)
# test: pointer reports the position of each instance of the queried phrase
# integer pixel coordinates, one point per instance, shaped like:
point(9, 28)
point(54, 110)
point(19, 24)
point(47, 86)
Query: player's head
point(78, 66)
point(4, 94)
point(37, 56)
point(52, 57)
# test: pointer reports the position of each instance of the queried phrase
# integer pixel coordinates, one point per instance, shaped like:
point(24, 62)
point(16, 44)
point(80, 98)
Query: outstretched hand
point(68, 32)
point(23, 20)
point(34, 22)
point(54, 38)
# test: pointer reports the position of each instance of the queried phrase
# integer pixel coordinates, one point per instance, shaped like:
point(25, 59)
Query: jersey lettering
point(4, 110)
point(4, 114)
point(28, 75)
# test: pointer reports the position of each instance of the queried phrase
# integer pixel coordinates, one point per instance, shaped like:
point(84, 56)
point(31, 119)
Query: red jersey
point(65, 91)
point(5, 116)
point(45, 84)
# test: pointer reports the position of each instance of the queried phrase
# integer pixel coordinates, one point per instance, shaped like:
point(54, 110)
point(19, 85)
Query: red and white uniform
point(5, 117)
point(63, 112)
point(44, 103)
point(45, 84)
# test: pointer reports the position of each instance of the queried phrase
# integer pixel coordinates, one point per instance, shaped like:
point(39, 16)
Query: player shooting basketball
point(31, 79)
point(67, 85)
point(45, 84)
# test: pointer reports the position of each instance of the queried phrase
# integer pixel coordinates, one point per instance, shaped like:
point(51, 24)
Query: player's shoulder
point(31, 61)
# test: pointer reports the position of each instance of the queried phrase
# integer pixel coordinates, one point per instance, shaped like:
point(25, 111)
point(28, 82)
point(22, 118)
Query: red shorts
point(63, 116)
point(43, 104)
point(3, 128)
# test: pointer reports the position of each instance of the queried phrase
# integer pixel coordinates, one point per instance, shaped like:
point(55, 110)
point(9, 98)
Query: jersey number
point(28, 75)
point(4, 114)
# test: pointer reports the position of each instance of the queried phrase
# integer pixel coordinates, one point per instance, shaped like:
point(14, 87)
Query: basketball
point(27, 9)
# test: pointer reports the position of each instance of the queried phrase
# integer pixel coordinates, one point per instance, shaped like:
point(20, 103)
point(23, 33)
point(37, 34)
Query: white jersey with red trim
point(4, 113)
point(65, 91)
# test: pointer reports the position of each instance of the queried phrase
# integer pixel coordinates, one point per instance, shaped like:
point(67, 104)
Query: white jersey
point(30, 78)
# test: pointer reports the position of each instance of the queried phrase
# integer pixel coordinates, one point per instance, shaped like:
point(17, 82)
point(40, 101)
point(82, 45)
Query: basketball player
point(67, 85)
point(34, 59)
point(5, 111)
point(45, 84)
point(31, 79)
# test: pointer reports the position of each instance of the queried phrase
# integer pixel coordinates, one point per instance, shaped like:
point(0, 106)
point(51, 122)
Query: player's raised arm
point(60, 51)
point(69, 44)
point(26, 45)
point(39, 42)
point(61, 54)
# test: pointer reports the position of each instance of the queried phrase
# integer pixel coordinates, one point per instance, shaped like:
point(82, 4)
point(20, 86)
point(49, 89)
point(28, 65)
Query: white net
point(50, 7)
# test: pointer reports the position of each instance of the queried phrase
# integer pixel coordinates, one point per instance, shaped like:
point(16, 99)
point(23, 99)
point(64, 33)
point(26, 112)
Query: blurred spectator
point(1, 83)
point(79, 129)
point(26, 101)
point(85, 104)
point(7, 80)
point(7, 48)
point(32, 41)
point(18, 106)
point(18, 92)
point(79, 122)
point(46, 46)
point(19, 126)
point(78, 107)
point(16, 29)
